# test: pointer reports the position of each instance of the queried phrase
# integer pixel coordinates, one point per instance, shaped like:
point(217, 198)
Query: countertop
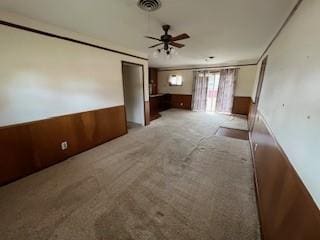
point(157, 95)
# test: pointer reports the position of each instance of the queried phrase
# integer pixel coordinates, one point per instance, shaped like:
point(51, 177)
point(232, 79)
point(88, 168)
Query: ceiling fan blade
point(178, 45)
point(180, 37)
point(153, 38)
point(156, 45)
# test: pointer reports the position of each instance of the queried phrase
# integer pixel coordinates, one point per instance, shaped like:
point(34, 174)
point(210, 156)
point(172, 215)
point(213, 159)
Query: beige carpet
point(172, 180)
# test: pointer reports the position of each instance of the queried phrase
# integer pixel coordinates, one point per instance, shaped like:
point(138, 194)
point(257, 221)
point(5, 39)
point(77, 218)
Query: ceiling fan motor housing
point(166, 38)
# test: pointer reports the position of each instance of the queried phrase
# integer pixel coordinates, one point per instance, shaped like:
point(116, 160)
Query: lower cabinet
point(162, 102)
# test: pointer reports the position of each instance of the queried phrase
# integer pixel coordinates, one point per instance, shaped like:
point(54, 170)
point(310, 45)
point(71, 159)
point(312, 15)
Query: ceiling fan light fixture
point(149, 5)
point(168, 43)
point(156, 53)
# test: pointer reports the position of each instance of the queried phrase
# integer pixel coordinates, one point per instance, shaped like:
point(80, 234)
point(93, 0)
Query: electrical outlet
point(181, 104)
point(64, 145)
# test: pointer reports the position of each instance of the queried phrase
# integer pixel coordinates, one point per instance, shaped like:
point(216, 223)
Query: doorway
point(133, 90)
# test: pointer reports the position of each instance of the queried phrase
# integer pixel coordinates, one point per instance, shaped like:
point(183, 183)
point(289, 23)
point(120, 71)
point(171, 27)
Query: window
point(175, 80)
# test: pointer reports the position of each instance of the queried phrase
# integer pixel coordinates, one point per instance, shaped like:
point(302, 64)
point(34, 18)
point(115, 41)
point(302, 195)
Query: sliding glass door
point(212, 92)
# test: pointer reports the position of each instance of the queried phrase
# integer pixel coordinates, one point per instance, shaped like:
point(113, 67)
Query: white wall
point(244, 84)
point(163, 85)
point(42, 77)
point(290, 98)
point(246, 79)
point(133, 85)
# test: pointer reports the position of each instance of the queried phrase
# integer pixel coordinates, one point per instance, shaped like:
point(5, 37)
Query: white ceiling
point(234, 31)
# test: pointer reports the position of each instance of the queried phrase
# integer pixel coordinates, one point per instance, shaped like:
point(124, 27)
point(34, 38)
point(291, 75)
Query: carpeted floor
point(171, 180)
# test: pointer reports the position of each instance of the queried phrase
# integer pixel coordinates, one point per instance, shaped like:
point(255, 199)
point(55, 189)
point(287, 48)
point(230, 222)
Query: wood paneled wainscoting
point(30, 147)
point(147, 112)
point(241, 105)
point(287, 211)
point(162, 102)
point(182, 101)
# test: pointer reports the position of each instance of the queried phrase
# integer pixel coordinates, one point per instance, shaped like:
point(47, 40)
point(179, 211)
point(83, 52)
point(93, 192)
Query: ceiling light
point(209, 58)
point(168, 53)
point(156, 53)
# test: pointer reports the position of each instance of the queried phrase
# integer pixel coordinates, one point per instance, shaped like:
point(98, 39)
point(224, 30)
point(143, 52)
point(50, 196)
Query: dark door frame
point(258, 92)
point(261, 78)
point(143, 89)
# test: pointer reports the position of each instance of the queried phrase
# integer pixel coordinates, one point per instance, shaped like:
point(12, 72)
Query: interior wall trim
point(206, 68)
point(293, 11)
point(33, 30)
point(285, 206)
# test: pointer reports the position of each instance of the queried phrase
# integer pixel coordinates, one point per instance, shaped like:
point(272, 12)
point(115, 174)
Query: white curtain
point(228, 78)
point(200, 88)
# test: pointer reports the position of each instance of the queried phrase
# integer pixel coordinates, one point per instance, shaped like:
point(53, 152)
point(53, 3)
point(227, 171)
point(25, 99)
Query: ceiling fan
point(167, 40)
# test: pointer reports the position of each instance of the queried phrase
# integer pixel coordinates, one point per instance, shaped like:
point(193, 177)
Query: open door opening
point(133, 89)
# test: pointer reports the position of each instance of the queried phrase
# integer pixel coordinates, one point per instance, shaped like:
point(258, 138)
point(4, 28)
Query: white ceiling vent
point(149, 5)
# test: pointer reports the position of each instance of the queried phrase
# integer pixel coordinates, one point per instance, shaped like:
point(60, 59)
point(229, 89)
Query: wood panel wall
point(30, 147)
point(181, 101)
point(287, 211)
point(153, 80)
point(241, 105)
point(147, 112)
